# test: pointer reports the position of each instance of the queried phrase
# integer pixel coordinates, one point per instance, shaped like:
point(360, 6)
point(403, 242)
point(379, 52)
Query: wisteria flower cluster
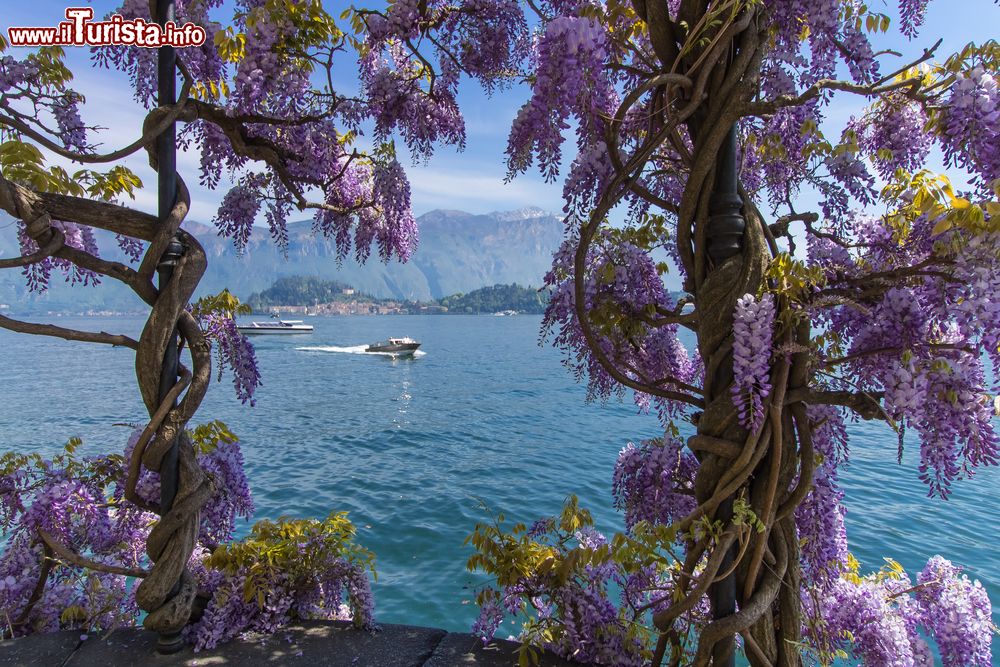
point(654, 482)
point(60, 505)
point(284, 571)
point(883, 619)
point(217, 316)
point(753, 331)
point(297, 138)
point(971, 124)
point(622, 283)
point(74, 545)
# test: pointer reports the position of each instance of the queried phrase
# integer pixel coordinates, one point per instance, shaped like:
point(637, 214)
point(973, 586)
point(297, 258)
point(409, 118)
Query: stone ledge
point(50, 649)
point(460, 650)
point(330, 644)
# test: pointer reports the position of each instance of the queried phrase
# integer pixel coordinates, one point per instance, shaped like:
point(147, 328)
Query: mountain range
point(458, 252)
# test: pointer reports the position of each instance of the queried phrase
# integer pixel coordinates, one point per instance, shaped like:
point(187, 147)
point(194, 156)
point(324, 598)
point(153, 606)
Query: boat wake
point(353, 349)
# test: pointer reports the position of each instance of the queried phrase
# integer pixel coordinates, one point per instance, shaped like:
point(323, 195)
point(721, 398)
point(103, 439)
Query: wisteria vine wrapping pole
point(725, 230)
point(166, 153)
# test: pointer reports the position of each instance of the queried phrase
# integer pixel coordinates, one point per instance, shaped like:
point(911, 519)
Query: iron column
point(166, 158)
point(724, 235)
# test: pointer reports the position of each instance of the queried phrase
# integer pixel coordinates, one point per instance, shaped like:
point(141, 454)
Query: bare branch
point(157, 121)
point(115, 340)
point(911, 87)
point(27, 204)
point(54, 244)
point(36, 593)
point(82, 561)
point(866, 404)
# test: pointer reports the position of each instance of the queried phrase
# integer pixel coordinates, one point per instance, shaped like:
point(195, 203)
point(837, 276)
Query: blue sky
point(471, 180)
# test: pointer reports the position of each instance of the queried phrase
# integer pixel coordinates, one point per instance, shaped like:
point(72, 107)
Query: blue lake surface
point(413, 448)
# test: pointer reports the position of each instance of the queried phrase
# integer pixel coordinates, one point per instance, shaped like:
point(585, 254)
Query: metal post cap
point(173, 253)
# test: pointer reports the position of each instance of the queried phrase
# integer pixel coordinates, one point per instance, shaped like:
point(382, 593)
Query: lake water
point(412, 448)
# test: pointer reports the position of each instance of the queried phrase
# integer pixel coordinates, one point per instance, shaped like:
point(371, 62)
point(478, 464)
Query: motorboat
point(275, 326)
point(399, 347)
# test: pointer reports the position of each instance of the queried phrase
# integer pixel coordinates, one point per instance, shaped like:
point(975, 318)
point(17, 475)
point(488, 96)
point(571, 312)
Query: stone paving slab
point(301, 645)
point(461, 650)
point(53, 648)
point(309, 644)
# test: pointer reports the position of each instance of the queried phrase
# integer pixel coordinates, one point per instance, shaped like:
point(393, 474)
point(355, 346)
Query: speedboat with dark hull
point(277, 326)
point(399, 347)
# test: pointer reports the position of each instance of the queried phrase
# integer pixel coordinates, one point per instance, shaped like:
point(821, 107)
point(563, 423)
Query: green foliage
point(793, 277)
point(309, 27)
point(298, 549)
point(223, 303)
point(497, 298)
point(650, 232)
point(22, 162)
point(743, 515)
point(551, 561)
point(207, 437)
point(509, 556)
point(101, 471)
point(925, 193)
point(52, 71)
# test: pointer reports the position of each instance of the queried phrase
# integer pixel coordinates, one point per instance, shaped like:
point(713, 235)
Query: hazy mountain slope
point(458, 252)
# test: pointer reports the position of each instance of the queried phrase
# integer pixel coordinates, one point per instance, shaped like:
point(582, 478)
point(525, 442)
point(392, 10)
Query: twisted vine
point(769, 469)
point(173, 539)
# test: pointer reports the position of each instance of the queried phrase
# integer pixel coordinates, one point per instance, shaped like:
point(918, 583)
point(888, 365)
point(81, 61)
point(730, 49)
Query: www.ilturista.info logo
point(80, 30)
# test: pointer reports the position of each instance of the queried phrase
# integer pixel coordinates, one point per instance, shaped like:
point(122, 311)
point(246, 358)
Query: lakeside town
point(310, 296)
point(356, 307)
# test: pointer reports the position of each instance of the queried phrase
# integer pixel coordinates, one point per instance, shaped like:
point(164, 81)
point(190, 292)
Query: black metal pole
point(166, 157)
point(725, 233)
point(726, 222)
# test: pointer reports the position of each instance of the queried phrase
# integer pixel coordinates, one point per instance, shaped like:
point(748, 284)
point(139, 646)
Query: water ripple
point(412, 448)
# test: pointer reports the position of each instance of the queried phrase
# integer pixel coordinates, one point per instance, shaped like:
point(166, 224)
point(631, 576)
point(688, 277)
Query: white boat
point(399, 347)
point(276, 326)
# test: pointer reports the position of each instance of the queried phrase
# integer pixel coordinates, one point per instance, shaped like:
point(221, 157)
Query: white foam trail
point(353, 349)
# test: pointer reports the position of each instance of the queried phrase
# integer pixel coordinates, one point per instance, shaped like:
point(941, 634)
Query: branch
point(40, 228)
point(82, 561)
point(126, 274)
point(886, 350)
point(780, 226)
point(49, 249)
point(878, 88)
point(911, 589)
point(36, 593)
point(162, 116)
point(866, 404)
point(115, 340)
point(27, 204)
point(135, 463)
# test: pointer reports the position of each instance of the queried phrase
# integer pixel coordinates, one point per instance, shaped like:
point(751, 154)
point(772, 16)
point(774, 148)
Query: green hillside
point(497, 298)
point(302, 291)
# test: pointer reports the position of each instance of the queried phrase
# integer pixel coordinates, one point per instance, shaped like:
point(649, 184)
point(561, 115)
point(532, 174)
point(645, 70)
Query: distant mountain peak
point(526, 213)
point(458, 252)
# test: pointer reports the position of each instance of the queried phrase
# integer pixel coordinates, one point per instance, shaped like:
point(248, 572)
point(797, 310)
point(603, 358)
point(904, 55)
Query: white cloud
point(478, 189)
